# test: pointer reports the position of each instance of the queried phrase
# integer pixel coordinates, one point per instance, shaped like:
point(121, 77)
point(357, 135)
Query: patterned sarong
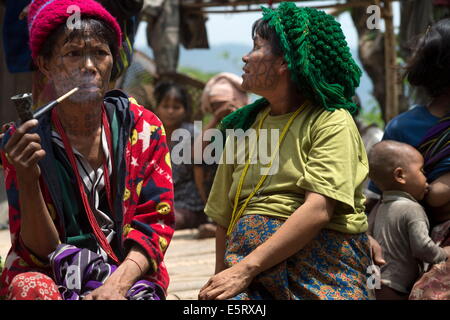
point(77, 272)
point(435, 283)
point(332, 266)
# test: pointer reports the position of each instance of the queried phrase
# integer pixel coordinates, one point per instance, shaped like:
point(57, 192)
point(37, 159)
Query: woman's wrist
point(123, 278)
point(251, 265)
point(27, 181)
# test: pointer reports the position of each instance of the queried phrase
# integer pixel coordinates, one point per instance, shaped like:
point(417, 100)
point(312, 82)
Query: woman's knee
point(33, 286)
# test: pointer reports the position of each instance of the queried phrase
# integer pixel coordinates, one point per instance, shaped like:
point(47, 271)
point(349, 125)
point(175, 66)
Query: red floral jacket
point(144, 200)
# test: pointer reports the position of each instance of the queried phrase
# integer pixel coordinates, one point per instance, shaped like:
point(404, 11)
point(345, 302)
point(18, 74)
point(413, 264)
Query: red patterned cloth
point(33, 286)
point(146, 209)
point(441, 3)
point(435, 283)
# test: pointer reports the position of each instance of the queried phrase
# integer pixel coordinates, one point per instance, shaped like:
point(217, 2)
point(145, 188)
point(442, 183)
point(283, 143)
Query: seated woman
point(297, 231)
point(173, 108)
point(89, 184)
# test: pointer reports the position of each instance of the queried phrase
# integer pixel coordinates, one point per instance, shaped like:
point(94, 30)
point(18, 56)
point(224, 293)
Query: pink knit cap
point(44, 16)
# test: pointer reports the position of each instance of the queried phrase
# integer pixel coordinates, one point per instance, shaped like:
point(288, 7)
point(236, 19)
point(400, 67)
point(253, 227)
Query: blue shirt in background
point(15, 37)
point(408, 127)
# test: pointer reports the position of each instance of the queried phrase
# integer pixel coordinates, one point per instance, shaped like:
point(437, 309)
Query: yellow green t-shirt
point(322, 152)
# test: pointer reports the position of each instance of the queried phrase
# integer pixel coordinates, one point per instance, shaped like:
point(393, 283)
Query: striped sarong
point(435, 148)
point(78, 272)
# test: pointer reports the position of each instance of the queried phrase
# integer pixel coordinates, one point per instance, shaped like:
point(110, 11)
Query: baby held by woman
point(401, 225)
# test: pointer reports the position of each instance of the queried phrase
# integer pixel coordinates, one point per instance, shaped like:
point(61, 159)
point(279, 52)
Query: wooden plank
point(190, 263)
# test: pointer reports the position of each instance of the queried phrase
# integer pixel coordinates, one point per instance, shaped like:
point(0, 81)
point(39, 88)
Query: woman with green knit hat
point(295, 228)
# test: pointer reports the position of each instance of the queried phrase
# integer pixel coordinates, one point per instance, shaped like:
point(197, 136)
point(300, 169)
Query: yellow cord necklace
point(236, 215)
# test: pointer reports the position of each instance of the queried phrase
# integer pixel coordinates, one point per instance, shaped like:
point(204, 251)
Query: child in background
point(174, 109)
point(401, 225)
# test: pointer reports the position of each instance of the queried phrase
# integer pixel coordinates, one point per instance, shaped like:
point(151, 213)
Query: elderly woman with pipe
point(89, 183)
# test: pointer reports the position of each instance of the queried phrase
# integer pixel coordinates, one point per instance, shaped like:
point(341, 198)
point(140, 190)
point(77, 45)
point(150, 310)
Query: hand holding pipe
point(23, 103)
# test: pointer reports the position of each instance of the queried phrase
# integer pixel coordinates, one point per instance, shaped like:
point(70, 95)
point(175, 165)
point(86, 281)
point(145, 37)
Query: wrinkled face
point(260, 69)
point(171, 110)
point(85, 62)
point(416, 182)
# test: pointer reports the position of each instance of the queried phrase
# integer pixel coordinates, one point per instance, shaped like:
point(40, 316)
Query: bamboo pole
point(201, 4)
point(390, 61)
point(343, 6)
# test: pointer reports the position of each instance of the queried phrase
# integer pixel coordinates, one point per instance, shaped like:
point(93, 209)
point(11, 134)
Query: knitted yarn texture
point(45, 16)
point(318, 58)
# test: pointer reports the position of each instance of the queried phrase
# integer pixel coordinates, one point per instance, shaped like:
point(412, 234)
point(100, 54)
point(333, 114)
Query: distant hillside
point(228, 57)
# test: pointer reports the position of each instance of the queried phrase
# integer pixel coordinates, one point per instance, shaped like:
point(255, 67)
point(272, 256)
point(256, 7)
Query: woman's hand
point(298, 230)
point(129, 271)
point(376, 252)
point(24, 14)
point(24, 151)
point(106, 292)
point(223, 111)
point(227, 283)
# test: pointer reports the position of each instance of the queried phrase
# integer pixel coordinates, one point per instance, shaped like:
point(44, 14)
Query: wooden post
point(391, 85)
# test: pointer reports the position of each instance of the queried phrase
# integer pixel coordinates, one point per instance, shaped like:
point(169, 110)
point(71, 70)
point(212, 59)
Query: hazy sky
point(236, 28)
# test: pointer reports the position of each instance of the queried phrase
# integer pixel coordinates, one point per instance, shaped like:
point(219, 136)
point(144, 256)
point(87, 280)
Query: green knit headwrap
point(318, 58)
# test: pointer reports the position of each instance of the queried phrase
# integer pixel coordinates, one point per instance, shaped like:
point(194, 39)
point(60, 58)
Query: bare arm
point(37, 229)
point(135, 265)
point(221, 234)
point(298, 230)
point(294, 234)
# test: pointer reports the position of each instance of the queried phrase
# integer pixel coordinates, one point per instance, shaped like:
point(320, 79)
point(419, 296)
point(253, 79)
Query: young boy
point(401, 225)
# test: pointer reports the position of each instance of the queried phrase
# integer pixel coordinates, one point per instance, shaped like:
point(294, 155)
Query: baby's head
point(397, 166)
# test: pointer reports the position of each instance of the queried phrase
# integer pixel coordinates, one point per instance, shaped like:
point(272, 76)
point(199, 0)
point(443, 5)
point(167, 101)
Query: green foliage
point(225, 55)
point(196, 73)
point(373, 116)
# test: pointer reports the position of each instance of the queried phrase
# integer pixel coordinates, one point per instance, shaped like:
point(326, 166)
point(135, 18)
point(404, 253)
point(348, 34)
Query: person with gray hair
point(222, 95)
